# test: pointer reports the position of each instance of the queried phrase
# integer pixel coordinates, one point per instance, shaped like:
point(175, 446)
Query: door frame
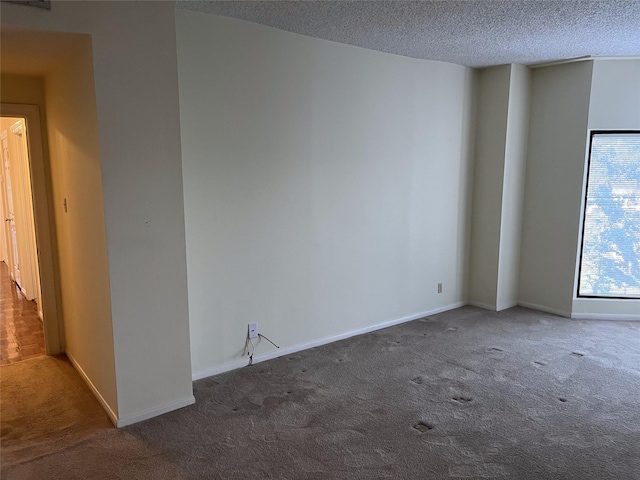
point(4, 251)
point(44, 225)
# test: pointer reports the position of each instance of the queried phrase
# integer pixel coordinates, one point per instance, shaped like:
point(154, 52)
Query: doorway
point(16, 204)
point(30, 324)
point(21, 331)
point(58, 89)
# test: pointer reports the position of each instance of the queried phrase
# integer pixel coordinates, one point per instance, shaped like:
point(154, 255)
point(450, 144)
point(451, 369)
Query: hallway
point(21, 331)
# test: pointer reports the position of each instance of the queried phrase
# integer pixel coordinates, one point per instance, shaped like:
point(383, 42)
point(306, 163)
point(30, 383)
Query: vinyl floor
point(21, 331)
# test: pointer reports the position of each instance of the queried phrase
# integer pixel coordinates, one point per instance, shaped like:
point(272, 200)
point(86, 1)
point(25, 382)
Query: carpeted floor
point(463, 394)
point(45, 407)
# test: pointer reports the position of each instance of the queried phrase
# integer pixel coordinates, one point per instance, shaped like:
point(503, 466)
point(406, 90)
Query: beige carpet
point(45, 407)
point(466, 394)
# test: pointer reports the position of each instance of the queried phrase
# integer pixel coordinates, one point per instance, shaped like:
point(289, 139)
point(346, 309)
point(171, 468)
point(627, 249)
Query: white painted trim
point(583, 203)
point(606, 316)
point(94, 390)
point(155, 411)
point(484, 306)
point(542, 308)
point(585, 58)
point(227, 367)
point(506, 306)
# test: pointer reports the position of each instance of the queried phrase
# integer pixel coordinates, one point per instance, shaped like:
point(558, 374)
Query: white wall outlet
point(440, 288)
point(253, 330)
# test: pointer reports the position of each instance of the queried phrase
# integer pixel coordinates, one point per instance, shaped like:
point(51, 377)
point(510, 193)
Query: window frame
point(593, 133)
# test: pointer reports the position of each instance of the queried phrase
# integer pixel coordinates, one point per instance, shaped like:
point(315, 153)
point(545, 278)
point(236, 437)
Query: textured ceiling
point(474, 33)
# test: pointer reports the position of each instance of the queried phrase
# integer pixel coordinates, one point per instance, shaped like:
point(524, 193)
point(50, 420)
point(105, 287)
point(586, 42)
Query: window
point(34, 3)
point(610, 258)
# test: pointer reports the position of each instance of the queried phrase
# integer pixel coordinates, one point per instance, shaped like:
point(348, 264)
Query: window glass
point(610, 260)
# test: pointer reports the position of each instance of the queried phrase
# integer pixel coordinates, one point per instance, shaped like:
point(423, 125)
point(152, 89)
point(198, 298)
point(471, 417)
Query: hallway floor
point(45, 407)
point(21, 331)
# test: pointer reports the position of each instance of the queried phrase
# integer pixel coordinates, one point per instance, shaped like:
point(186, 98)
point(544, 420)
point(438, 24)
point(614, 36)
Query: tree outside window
point(610, 260)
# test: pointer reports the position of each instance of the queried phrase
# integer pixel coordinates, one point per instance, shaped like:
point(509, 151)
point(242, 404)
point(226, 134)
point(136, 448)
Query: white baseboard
point(493, 308)
point(227, 367)
point(606, 316)
point(155, 411)
point(482, 305)
point(94, 390)
point(506, 306)
point(542, 308)
point(138, 417)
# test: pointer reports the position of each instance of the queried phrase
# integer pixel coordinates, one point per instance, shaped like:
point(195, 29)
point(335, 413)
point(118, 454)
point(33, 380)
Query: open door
point(10, 231)
point(19, 220)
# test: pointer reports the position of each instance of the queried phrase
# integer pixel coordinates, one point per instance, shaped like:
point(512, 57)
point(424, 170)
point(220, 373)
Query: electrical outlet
point(253, 330)
point(440, 288)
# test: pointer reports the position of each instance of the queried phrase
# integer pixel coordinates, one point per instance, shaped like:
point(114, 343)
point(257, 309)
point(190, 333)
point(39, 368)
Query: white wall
point(553, 186)
point(326, 186)
point(134, 58)
point(502, 124)
point(489, 164)
point(513, 187)
point(615, 95)
point(614, 105)
point(81, 237)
